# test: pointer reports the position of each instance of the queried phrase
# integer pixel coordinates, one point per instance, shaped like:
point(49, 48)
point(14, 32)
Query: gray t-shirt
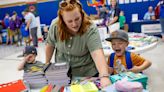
point(31, 16)
point(33, 67)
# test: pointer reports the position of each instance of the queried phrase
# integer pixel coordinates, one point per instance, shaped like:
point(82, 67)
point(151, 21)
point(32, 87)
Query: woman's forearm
point(49, 53)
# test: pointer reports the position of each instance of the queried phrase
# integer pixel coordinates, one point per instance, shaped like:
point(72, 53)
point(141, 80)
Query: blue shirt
point(148, 15)
point(162, 11)
point(6, 22)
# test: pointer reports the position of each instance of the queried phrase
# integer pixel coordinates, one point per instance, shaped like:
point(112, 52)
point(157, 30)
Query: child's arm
point(21, 65)
point(145, 65)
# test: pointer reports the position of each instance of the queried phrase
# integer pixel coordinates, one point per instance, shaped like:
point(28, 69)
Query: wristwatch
point(104, 75)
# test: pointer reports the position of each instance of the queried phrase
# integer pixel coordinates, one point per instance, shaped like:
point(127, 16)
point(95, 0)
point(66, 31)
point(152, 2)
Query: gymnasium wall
point(48, 10)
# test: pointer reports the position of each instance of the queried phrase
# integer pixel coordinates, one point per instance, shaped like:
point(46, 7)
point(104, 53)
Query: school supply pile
point(130, 76)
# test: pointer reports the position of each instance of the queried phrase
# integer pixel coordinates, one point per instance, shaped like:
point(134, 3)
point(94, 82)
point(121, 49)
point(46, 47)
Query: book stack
point(34, 80)
point(56, 74)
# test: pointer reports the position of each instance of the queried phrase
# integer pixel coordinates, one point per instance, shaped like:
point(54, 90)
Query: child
point(122, 60)
point(33, 70)
point(122, 20)
point(25, 33)
point(29, 64)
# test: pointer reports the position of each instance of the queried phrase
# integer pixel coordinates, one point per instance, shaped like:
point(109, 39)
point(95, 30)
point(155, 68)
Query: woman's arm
point(102, 67)
point(49, 52)
point(114, 20)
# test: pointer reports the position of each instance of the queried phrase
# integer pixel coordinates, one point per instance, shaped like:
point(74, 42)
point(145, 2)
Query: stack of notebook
point(35, 79)
point(56, 74)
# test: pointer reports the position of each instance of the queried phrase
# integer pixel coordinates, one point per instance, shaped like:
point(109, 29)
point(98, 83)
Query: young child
point(122, 60)
point(25, 33)
point(122, 20)
point(29, 64)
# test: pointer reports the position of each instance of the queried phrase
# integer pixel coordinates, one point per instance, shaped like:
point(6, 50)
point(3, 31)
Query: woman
point(162, 17)
point(77, 41)
point(114, 12)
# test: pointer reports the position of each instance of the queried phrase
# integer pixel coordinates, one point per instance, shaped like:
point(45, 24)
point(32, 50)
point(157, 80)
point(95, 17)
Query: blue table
point(136, 26)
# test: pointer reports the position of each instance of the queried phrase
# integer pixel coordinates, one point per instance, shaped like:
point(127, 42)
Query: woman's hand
point(105, 81)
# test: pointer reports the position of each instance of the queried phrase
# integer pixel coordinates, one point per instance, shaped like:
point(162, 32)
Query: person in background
point(31, 24)
point(150, 15)
point(98, 12)
point(45, 31)
point(122, 20)
point(25, 33)
point(18, 22)
point(103, 12)
point(12, 28)
point(114, 12)
point(156, 11)
point(161, 16)
point(77, 42)
point(1, 27)
point(6, 23)
point(122, 60)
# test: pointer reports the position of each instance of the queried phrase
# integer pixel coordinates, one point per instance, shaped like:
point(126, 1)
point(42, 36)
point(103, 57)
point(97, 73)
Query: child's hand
point(27, 58)
point(135, 69)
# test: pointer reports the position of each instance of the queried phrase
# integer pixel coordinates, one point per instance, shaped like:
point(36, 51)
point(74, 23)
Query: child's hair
point(23, 20)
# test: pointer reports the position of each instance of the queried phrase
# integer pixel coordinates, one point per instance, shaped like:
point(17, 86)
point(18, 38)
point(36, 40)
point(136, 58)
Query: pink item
point(126, 86)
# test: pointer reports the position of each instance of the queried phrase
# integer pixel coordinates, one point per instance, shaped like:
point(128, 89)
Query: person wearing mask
point(76, 41)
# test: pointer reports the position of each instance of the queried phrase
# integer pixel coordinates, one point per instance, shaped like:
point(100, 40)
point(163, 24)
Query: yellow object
point(76, 88)
point(44, 89)
point(87, 87)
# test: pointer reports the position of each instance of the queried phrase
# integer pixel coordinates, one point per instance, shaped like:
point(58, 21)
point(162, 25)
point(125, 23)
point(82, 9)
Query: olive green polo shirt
point(77, 50)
